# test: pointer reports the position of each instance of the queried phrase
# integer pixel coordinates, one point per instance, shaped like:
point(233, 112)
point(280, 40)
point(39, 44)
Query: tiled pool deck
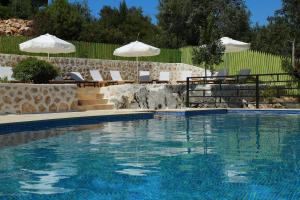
point(31, 122)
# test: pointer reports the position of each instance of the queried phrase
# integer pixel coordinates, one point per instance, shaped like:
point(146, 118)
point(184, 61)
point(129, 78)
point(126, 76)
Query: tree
point(186, 19)
point(273, 38)
point(290, 10)
point(21, 9)
point(210, 50)
point(62, 19)
point(172, 18)
point(122, 25)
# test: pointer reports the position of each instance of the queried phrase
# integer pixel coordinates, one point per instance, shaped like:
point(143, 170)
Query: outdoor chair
point(218, 78)
point(117, 79)
point(242, 77)
point(184, 75)
point(164, 77)
point(76, 77)
point(144, 77)
point(7, 73)
point(96, 76)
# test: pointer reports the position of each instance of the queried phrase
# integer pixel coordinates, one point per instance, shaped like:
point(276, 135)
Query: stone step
point(87, 90)
point(96, 107)
point(86, 102)
point(95, 96)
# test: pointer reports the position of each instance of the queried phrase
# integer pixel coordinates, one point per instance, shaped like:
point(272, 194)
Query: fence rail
point(280, 89)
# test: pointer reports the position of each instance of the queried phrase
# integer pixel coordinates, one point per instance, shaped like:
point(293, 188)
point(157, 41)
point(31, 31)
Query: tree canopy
point(184, 21)
point(24, 9)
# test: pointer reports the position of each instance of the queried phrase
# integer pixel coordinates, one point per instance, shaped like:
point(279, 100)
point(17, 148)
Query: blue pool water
point(230, 156)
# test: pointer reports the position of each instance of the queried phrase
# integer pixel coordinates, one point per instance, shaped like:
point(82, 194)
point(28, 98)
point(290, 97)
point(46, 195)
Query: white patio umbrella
point(137, 49)
point(232, 45)
point(47, 43)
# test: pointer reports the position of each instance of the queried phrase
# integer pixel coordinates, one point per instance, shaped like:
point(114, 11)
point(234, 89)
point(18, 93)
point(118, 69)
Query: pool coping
point(33, 122)
point(264, 111)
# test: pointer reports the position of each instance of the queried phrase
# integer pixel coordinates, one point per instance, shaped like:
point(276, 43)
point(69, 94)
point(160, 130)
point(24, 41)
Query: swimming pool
point(223, 156)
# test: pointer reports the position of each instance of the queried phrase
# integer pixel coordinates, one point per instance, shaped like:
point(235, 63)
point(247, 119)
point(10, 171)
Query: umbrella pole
point(137, 68)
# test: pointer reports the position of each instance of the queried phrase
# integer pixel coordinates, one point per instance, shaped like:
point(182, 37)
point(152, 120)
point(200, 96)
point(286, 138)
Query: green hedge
point(10, 45)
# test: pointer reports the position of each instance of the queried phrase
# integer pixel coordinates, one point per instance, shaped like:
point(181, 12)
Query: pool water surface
point(230, 156)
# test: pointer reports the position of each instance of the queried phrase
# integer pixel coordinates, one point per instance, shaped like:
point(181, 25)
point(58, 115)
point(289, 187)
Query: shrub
point(34, 70)
point(4, 80)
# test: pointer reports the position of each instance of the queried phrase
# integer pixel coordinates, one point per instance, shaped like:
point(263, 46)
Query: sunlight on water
point(204, 157)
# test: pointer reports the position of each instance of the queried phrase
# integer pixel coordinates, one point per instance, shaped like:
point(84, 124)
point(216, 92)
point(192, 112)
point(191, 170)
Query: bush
point(34, 70)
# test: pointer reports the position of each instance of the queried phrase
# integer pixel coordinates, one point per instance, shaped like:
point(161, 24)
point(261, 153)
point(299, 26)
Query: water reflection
point(204, 157)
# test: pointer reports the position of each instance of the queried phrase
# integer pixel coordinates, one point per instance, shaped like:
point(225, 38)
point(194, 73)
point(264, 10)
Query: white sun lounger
point(116, 77)
point(164, 77)
point(184, 75)
point(6, 72)
point(145, 77)
point(96, 76)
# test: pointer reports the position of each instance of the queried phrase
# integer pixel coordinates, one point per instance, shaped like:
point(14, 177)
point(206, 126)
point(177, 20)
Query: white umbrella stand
point(48, 44)
point(137, 49)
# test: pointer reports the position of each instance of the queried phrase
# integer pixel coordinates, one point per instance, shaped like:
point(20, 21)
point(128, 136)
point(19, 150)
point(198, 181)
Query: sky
point(260, 9)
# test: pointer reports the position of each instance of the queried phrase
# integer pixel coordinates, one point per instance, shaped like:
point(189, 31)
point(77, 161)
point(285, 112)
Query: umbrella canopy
point(47, 44)
point(232, 45)
point(137, 49)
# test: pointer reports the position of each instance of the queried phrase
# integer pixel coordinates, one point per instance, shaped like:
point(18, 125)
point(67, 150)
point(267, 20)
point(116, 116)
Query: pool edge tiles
point(265, 111)
point(37, 125)
point(191, 112)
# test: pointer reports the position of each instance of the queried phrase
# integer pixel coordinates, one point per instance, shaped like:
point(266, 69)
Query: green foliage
point(73, 21)
point(4, 80)
point(23, 9)
point(123, 25)
point(34, 70)
point(210, 50)
point(62, 19)
point(4, 12)
point(277, 36)
point(288, 67)
point(274, 38)
point(184, 21)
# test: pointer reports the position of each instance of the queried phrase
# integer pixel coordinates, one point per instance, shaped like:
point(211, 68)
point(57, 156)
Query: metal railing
point(237, 91)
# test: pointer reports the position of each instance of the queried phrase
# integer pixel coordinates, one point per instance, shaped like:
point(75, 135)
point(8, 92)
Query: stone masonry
point(34, 98)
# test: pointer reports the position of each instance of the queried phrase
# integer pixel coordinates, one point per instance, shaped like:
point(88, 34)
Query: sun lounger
point(117, 79)
point(96, 76)
point(218, 78)
point(184, 75)
point(75, 78)
point(144, 77)
point(164, 77)
point(241, 77)
point(6, 73)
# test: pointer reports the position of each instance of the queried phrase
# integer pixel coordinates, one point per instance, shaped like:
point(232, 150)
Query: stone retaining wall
point(128, 69)
point(166, 96)
point(34, 98)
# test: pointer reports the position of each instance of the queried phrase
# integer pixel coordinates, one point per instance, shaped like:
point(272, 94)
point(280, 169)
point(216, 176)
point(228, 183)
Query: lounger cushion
point(96, 76)
point(76, 76)
point(144, 76)
point(184, 75)
point(164, 76)
point(6, 72)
